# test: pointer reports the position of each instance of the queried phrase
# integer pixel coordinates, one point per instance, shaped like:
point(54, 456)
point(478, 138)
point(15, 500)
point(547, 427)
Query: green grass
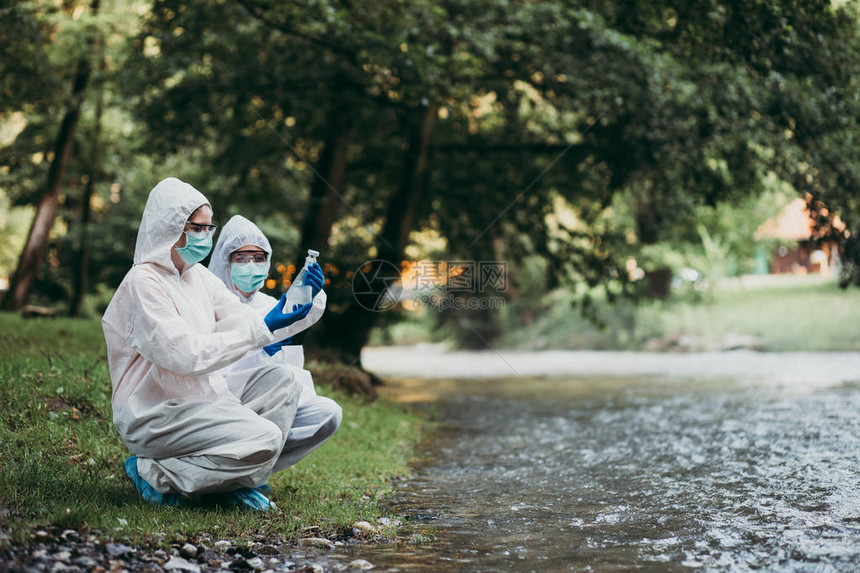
point(61, 458)
point(813, 316)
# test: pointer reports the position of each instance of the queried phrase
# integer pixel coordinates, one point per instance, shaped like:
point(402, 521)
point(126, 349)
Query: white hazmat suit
point(168, 334)
point(318, 417)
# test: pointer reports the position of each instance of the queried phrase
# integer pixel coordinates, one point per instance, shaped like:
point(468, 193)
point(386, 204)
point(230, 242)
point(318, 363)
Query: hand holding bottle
point(276, 319)
point(301, 292)
point(315, 279)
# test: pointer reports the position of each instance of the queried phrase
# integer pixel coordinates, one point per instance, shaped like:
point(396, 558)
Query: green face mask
point(248, 277)
point(197, 246)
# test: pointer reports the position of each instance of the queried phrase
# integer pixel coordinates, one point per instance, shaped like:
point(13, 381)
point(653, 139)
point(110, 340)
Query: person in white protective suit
point(241, 260)
point(170, 329)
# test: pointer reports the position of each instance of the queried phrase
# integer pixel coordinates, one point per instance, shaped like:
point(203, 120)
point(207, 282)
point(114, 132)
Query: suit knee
point(337, 416)
point(269, 443)
point(281, 381)
point(288, 382)
point(332, 423)
point(280, 375)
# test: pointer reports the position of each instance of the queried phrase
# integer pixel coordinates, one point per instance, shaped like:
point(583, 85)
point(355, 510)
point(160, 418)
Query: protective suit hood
point(168, 207)
point(238, 232)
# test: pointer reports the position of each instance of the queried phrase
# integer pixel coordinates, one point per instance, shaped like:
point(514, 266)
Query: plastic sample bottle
point(300, 294)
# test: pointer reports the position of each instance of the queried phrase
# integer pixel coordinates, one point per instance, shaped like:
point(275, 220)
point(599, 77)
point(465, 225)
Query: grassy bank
point(800, 315)
point(61, 459)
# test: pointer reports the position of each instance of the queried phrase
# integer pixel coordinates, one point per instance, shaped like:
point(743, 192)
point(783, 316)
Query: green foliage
point(61, 457)
point(641, 117)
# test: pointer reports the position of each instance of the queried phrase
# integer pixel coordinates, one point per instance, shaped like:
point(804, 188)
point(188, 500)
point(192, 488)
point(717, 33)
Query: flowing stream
point(645, 474)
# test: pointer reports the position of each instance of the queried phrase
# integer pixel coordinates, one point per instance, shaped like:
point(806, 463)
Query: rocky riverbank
point(70, 551)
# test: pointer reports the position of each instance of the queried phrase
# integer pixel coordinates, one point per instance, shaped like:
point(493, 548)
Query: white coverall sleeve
point(165, 338)
point(313, 316)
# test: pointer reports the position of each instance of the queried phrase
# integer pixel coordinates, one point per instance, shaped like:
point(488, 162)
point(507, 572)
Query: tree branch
point(504, 147)
point(259, 13)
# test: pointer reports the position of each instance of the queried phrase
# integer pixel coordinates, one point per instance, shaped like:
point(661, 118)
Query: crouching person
point(170, 329)
point(241, 260)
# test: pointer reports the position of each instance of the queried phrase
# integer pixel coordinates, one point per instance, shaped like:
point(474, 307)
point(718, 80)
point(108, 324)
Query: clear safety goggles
point(200, 228)
point(248, 257)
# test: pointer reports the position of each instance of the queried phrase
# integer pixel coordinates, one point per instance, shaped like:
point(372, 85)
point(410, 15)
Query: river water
point(642, 473)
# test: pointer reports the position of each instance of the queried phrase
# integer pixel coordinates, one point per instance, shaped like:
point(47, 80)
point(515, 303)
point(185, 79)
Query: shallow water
point(634, 474)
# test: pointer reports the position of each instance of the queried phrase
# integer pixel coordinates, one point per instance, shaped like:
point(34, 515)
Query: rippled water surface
point(648, 475)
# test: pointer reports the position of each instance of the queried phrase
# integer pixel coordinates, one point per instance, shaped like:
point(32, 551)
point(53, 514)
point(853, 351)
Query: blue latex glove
point(275, 347)
point(277, 319)
point(147, 492)
point(315, 279)
point(249, 498)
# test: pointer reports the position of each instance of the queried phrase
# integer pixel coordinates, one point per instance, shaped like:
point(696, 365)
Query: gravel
point(70, 551)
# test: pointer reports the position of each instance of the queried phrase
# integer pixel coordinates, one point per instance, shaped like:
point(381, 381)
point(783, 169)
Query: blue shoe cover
point(147, 492)
point(249, 498)
point(264, 489)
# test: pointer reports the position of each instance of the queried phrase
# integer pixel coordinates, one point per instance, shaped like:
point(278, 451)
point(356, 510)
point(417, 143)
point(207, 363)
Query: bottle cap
point(313, 254)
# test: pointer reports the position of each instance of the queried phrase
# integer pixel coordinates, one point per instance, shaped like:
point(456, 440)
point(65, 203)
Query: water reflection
point(608, 475)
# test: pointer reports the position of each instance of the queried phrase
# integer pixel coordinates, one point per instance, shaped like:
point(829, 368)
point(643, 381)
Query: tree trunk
point(659, 283)
point(649, 224)
point(354, 326)
point(325, 194)
point(527, 313)
point(400, 217)
point(82, 256)
point(46, 212)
